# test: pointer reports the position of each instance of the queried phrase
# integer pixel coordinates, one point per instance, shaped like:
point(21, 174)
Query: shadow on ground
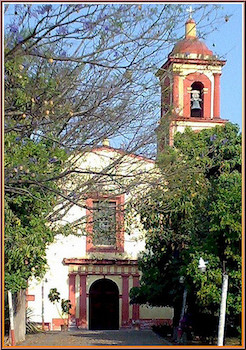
point(95, 338)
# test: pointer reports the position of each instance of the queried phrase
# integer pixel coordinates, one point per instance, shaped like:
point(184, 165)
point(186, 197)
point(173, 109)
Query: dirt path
point(84, 338)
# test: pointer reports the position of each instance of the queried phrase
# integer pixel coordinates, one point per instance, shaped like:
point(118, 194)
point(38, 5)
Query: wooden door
point(104, 305)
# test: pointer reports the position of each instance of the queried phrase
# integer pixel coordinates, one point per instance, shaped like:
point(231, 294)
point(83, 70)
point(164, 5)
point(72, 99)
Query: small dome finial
point(190, 25)
point(106, 142)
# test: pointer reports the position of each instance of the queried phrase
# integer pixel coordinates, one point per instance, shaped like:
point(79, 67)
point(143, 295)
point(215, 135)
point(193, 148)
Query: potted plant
point(54, 297)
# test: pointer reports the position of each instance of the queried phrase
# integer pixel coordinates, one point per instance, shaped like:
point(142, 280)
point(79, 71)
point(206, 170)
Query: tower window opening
point(196, 101)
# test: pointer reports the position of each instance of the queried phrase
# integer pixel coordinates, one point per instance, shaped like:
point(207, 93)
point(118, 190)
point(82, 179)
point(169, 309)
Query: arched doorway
point(104, 305)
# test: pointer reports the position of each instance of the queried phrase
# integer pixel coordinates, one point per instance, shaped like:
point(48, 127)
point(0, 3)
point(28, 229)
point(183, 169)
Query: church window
point(196, 105)
point(104, 223)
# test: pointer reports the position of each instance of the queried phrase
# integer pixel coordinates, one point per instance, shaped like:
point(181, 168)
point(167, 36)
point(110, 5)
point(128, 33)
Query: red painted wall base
point(146, 323)
point(12, 335)
point(56, 324)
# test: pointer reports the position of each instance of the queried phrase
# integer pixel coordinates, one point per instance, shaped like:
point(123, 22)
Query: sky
point(228, 44)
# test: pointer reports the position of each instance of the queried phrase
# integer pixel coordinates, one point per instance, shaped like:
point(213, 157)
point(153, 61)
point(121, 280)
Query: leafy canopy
point(193, 212)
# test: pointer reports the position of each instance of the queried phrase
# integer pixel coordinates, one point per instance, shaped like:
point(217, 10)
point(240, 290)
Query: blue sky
point(228, 43)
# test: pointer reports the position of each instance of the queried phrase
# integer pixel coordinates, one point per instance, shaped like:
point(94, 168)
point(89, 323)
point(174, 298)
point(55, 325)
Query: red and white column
point(135, 307)
point(82, 302)
point(125, 301)
point(175, 91)
point(72, 317)
point(216, 109)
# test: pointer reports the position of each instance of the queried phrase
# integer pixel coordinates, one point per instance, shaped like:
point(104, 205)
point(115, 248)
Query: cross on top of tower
point(189, 10)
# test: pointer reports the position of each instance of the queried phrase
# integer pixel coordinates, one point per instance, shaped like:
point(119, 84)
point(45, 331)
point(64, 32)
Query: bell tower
point(190, 85)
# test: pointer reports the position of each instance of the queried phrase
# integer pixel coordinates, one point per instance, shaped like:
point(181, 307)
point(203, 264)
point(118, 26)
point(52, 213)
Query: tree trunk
point(19, 306)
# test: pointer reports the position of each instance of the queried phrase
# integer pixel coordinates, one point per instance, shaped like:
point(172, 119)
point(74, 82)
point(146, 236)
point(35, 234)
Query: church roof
point(191, 45)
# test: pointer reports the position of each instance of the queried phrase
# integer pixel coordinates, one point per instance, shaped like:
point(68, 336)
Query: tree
point(27, 206)
point(74, 75)
point(196, 213)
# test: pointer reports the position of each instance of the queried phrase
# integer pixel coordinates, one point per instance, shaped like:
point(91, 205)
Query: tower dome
point(191, 44)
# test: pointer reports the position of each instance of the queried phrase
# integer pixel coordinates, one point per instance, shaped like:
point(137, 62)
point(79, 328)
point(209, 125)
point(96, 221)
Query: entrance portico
point(98, 284)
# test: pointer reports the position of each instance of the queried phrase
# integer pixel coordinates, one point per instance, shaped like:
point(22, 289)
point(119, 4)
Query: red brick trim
point(119, 224)
point(75, 261)
point(47, 325)
point(147, 323)
point(210, 62)
point(30, 297)
point(57, 323)
point(200, 120)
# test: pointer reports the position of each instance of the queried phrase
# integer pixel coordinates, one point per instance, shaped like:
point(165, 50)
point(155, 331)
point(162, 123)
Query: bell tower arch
point(197, 100)
point(202, 98)
point(190, 85)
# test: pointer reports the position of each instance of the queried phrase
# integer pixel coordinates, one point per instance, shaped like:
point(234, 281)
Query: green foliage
point(195, 211)
point(54, 297)
point(28, 201)
point(65, 306)
point(31, 326)
point(27, 204)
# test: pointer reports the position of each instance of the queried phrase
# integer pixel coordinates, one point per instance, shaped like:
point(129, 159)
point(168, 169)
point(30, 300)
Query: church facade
point(97, 267)
point(97, 270)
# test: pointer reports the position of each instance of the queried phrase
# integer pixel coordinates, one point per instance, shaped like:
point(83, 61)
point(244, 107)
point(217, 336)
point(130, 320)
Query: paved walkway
point(84, 338)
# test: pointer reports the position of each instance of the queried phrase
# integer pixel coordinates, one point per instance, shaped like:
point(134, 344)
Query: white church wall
point(197, 126)
point(147, 312)
point(56, 276)
point(73, 246)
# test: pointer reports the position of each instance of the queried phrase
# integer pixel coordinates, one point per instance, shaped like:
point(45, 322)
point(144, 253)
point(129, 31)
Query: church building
point(96, 271)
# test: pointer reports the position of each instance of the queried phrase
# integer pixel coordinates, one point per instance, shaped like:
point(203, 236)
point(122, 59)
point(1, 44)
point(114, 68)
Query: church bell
point(195, 105)
point(195, 99)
